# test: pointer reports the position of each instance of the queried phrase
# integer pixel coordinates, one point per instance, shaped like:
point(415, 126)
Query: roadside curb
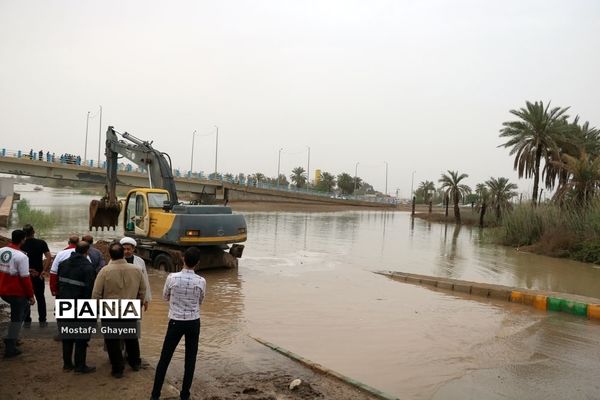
point(326, 371)
point(539, 299)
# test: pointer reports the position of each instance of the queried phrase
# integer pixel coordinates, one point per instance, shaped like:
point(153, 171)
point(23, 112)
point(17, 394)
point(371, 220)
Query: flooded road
point(306, 283)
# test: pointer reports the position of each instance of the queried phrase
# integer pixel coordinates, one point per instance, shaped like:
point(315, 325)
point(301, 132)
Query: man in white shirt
point(129, 245)
point(184, 291)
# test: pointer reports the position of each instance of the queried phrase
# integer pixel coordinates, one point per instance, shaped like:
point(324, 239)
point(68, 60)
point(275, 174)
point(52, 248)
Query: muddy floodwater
point(306, 283)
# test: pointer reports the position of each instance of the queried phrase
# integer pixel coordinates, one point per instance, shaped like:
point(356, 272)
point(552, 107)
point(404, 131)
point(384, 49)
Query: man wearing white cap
point(129, 245)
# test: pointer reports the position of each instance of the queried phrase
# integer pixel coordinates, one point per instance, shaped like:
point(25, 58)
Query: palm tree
point(345, 183)
point(583, 177)
point(327, 182)
point(534, 136)
point(483, 198)
point(501, 191)
point(575, 139)
point(259, 177)
point(454, 189)
point(298, 176)
point(427, 188)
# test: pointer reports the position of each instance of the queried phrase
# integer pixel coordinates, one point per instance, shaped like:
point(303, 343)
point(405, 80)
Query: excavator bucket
point(103, 214)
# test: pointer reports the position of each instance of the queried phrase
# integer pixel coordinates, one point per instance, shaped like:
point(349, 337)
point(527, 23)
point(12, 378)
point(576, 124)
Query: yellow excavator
point(162, 226)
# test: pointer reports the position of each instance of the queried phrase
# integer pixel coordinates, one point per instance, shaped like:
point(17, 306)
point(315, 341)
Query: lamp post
point(216, 150)
point(355, 176)
point(308, 168)
point(192, 158)
point(278, 165)
point(412, 180)
point(87, 123)
point(99, 137)
point(386, 177)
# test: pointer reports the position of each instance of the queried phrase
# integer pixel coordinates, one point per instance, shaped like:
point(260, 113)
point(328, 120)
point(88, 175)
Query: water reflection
point(305, 283)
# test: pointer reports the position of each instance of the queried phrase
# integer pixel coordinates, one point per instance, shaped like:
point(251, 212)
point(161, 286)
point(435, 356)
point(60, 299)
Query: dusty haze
point(423, 85)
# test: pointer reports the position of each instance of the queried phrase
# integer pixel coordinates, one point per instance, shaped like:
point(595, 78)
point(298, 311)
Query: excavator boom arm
point(105, 212)
point(142, 153)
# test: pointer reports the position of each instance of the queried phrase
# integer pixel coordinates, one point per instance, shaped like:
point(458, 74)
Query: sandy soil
point(38, 374)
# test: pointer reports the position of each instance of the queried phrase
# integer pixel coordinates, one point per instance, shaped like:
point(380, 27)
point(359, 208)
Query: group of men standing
point(79, 272)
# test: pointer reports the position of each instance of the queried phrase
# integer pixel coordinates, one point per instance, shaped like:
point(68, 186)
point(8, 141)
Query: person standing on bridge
point(184, 291)
point(39, 264)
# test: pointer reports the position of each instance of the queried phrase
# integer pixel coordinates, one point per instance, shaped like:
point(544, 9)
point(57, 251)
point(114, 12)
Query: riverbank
point(38, 374)
point(467, 218)
point(245, 206)
point(546, 230)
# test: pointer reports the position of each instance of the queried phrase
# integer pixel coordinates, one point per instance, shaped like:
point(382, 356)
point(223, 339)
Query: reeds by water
point(567, 230)
point(42, 221)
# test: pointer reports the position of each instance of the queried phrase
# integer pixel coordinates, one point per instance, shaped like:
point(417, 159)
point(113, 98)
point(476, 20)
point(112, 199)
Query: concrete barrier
point(5, 210)
point(538, 299)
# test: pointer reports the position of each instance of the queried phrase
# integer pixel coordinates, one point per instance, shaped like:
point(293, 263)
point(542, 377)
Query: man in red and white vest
point(15, 288)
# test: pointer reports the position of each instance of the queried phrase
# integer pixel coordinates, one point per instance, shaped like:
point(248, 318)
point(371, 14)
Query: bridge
point(70, 169)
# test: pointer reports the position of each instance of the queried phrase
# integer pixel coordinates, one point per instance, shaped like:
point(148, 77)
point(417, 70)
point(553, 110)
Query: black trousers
point(115, 355)
point(177, 329)
point(80, 352)
point(18, 308)
point(40, 299)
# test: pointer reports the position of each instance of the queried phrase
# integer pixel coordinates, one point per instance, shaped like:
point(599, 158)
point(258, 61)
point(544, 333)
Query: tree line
point(343, 183)
point(561, 153)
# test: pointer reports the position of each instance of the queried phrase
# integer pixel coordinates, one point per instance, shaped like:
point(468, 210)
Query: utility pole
point(216, 151)
point(412, 180)
point(87, 123)
point(355, 176)
point(308, 168)
point(386, 177)
point(278, 165)
point(99, 136)
point(192, 158)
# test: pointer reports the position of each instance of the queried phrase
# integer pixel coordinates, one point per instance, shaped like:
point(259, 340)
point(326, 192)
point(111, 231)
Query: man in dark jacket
point(75, 281)
point(94, 254)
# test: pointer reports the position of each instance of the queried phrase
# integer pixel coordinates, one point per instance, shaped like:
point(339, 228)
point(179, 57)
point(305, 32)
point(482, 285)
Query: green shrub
point(522, 226)
point(41, 220)
point(587, 251)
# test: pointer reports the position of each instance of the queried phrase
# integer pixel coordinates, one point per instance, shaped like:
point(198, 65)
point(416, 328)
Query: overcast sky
point(423, 85)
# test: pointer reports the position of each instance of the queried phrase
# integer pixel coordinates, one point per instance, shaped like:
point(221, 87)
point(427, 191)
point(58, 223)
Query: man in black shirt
point(36, 250)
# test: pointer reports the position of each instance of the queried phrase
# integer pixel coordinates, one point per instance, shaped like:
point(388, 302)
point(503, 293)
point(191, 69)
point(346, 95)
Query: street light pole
point(355, 176)
point(386, 177)
point(216, 151)
point(87, 123)
point(308, 168)
point(99, 137)
point(411, 184)
point(192, 158)
point(278, 165)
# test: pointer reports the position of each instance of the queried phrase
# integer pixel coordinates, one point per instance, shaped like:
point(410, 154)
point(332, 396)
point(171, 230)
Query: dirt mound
point(102, 246)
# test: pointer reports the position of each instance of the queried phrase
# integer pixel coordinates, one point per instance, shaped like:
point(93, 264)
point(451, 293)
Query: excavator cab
point(138, 206)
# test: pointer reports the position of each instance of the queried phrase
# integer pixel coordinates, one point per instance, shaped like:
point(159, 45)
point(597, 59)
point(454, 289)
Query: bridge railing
point(200, 175)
